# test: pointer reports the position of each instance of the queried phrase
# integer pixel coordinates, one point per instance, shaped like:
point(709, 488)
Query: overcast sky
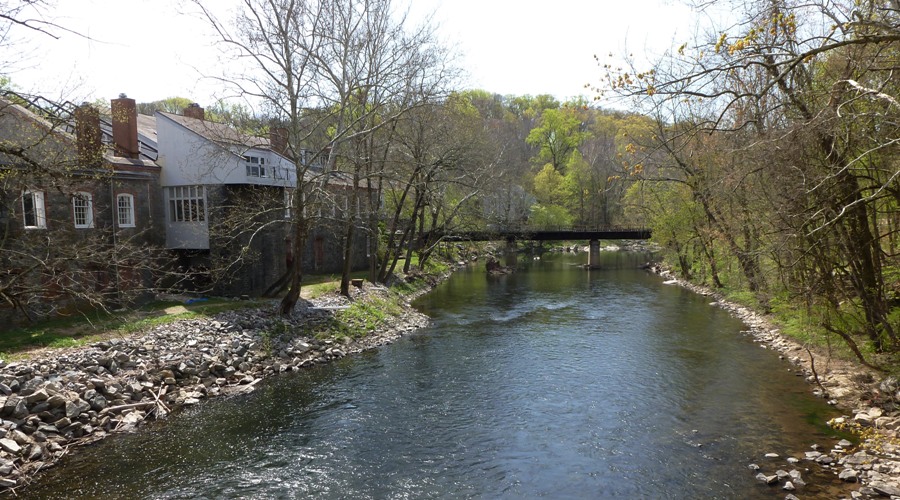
point(149, 50)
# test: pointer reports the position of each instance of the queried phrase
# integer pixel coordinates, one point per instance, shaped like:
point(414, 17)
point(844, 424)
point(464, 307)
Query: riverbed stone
point(10, 446)
point(849, 475)
point(886, 489)
point(76, 407)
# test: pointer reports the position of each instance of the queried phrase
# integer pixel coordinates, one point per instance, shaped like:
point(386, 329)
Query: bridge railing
point(542, 233)
point(528, 228)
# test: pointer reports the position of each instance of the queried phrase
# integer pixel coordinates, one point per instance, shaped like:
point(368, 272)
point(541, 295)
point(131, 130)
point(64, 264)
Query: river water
point(551, 382)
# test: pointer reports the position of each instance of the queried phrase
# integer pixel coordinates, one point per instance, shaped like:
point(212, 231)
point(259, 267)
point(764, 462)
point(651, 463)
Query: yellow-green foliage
point(869, 438)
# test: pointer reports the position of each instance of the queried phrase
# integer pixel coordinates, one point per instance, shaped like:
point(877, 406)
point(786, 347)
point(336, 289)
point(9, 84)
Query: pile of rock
point(78, 396)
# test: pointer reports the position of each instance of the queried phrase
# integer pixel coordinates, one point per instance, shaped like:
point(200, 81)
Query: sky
point(154, 49)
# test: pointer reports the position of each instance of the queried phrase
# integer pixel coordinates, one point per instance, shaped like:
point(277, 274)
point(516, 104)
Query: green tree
point(557, 135)
point(548, 186)
point(550, 216)
point(784, 128)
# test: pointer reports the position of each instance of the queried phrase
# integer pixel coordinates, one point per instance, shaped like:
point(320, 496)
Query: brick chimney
point(124, 126)
point(87, 135)
point(194, 111)
point(278, 140)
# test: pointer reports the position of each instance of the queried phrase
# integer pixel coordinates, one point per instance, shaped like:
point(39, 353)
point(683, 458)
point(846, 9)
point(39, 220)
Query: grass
point(87, 328)
point(75, 331)
point(316, 285)
point(362, 317)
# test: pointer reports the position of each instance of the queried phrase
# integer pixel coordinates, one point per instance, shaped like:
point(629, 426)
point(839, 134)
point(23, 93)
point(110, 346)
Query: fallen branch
point(812, 367)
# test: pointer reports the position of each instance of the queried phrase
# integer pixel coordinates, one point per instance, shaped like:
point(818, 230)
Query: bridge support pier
point(511, 253)
point(594, 255)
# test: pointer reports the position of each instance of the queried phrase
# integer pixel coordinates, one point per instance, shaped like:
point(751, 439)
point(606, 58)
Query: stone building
point(105, 210)
point(81, 217)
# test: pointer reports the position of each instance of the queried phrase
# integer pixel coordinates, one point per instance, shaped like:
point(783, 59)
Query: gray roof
point(220, 133)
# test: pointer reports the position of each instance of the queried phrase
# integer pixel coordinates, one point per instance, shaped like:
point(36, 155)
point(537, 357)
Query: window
point(288, 202)
point(187, 204)
point(256, 166)
point(33, 210)
point(125, 210)
point(83, 210)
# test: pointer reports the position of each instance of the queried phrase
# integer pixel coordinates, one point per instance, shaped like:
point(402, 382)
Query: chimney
point(194, 111)
point(278, 140)
point(87, 135)
point(124, 126)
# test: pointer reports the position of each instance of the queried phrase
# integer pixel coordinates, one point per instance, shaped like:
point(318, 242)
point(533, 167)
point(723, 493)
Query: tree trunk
point(293, 296)
point(348, 257)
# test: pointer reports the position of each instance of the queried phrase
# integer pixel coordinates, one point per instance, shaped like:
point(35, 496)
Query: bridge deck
point(551, 234)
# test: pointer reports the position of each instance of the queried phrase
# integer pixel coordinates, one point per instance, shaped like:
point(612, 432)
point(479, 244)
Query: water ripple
point(557, 385)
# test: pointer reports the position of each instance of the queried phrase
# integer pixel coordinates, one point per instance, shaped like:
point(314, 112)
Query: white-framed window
point(83, 210)
point(288, 202)
point(125, 210)
point(187, 204)
point(256, 166)
point(34, 215)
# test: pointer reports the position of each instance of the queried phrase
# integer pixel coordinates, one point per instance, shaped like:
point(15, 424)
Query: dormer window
point(256, 166)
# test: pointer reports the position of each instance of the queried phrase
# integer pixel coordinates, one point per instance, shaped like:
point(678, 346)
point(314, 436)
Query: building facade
point(104, 209)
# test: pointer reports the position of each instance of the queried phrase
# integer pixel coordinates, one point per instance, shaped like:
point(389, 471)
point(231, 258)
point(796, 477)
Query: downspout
point(115, 211)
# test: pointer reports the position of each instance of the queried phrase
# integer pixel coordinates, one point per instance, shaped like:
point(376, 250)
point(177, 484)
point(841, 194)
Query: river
point(551, 382)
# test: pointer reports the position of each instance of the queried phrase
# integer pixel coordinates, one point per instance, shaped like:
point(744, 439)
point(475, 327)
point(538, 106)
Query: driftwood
point(121, 408)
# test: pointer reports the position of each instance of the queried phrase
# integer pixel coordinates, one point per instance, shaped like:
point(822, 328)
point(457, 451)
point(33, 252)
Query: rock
point(767, 479)
point(771, 455)
point(863, 418)
point(56, 401)
point(888, 490)
point(98, 402)
point(76, 407)
point(21, 409)
point(788, 486)
point(753, 467)
point(48, 429)
point(10, 446)
point(849, 475)
point(37, 397)
point(812, 455)
point(858, 458)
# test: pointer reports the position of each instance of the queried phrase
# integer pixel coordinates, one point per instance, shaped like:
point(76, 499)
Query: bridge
point(556, 233)
point(550, 233)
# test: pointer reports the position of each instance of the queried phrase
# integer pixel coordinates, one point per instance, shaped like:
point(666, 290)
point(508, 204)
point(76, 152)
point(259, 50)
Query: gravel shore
point(60, 399)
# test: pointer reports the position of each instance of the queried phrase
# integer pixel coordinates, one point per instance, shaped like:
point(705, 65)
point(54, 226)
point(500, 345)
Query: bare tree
point(801, 100)
point(73, 230)
point(329, 72)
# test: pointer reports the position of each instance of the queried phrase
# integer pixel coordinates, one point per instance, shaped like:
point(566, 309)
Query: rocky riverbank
point(870, 403)
point(61, 399)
